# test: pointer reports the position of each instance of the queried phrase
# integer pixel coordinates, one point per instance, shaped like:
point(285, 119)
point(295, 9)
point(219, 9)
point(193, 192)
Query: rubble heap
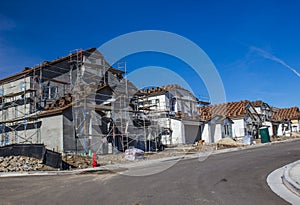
point(227, 143)
point(22, 164)
point(78, 161)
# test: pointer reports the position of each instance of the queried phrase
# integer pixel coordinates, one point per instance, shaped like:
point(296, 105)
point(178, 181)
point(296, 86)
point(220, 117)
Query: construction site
point(80, 104)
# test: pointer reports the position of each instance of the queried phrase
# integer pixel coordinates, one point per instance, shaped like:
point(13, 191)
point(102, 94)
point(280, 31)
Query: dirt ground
point(179, 150)
point(80, 162)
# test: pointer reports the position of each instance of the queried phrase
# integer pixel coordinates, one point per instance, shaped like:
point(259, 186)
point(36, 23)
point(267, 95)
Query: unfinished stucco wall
point(16, 86)
point(31, 135)
point(52, 132)
point(16, 106)
point(70, 144)
point(98, 129)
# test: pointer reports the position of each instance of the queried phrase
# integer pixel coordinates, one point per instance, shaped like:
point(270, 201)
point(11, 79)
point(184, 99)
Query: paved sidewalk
point(291, 177)
point(285, 182)
point(295, 173)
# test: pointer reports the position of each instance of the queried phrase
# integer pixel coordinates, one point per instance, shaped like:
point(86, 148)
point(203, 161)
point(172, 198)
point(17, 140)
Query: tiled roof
point(164, 89)
point(230, 109)
point(257, 103)
point(281, 114)
point(260, 103)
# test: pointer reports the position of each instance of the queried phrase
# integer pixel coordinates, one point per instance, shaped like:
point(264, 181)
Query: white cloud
point(273, 58)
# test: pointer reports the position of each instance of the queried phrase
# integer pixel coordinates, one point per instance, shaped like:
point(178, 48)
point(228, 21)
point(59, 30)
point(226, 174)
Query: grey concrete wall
point(52, 132)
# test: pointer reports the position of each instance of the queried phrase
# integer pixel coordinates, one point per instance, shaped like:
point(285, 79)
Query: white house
point(265, 113)
point(217, 128)
point(175, 109)
point(240, 116)
point(287, 120)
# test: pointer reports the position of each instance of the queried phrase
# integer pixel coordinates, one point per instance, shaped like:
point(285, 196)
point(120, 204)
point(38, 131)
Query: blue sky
point(253, 44)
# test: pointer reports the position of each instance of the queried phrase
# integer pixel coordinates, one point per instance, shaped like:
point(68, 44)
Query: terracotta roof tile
point(230, 109)
point(257, 103)
point(281, 114)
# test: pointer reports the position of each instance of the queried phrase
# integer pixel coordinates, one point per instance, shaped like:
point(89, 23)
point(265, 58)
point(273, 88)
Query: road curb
point(288, 181)
point(275, 183)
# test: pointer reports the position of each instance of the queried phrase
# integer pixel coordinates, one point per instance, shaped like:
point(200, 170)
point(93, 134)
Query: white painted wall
point(218, 133)
point(283, 130)
point(238, 128)
point(205, 133)
point(258, 110)
point(178, 132)
point(269, 126)
point(295, 125)
point(158, 103)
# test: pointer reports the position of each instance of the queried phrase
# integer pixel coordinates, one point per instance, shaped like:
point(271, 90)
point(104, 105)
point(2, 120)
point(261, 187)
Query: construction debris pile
point(22, 164)
point(228, 143)
point(78, 161)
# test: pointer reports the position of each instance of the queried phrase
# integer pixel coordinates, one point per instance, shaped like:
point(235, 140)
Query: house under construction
point(76, 103)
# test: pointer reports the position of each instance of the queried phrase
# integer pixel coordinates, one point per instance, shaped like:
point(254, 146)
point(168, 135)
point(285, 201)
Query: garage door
point(191, 132)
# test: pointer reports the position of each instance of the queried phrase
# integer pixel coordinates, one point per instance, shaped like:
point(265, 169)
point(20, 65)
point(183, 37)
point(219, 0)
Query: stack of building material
point(134, 154)
point(59, 103)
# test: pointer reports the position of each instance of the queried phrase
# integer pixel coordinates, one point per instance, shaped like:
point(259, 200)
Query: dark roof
point(27, 71)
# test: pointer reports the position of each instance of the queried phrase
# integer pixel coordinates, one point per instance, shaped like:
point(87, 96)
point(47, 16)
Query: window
point(45, 93)
point(53, 92)
point(173, 103)
point(149, 102)
point(227, 130)
point(22, 86)
point(156, 101)
point(49, 92)
point(4, 114)
point(1, 91)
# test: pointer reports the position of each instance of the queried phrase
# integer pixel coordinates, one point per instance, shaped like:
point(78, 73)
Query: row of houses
point(79, 103)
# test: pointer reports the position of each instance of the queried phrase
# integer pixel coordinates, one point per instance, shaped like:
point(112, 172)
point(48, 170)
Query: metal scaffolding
point(105, 105)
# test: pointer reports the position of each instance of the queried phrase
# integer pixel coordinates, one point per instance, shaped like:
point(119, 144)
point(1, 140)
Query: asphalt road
point(229, 178)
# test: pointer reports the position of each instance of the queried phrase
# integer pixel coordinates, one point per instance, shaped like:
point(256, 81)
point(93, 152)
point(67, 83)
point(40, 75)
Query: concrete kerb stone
point(116, 167)
point(288, 181)
point(275, 182)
